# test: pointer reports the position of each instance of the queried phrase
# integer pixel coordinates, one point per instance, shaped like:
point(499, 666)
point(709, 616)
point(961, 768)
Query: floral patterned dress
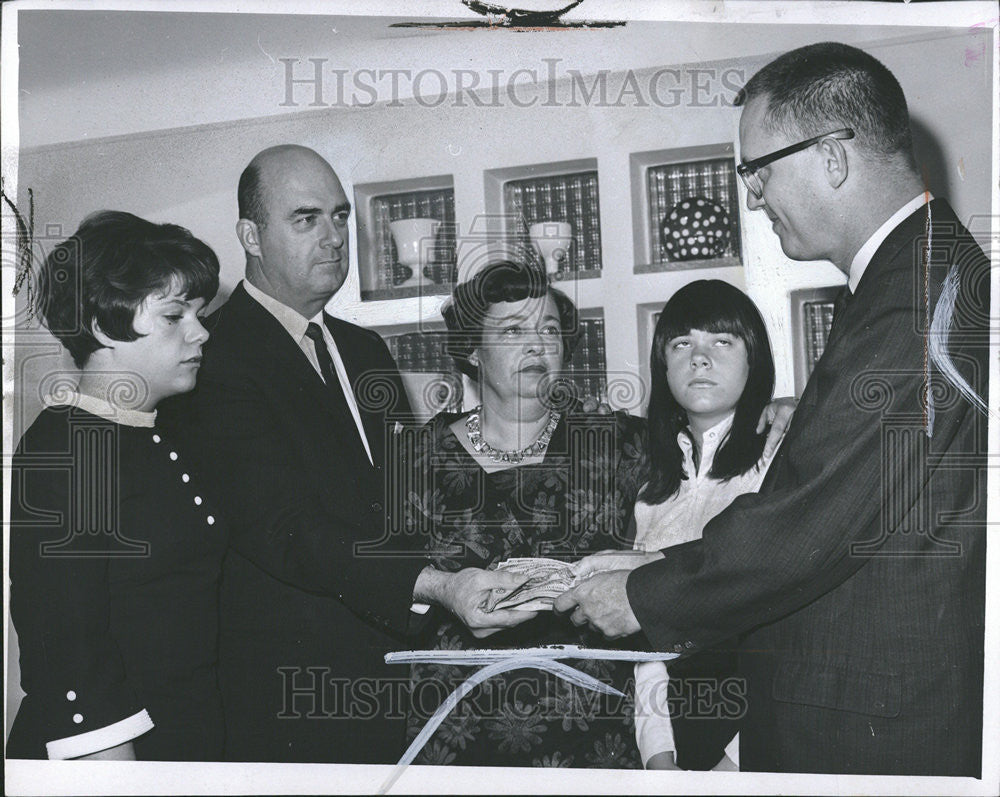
point(576, 501)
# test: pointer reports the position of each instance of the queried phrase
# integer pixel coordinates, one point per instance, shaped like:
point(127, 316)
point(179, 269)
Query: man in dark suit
point(292, 420)
point(857, 573)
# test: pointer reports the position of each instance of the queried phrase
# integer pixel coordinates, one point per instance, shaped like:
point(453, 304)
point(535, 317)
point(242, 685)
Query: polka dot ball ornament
point(696, 228)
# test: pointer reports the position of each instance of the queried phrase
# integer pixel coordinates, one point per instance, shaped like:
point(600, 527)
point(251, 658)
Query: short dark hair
point(711, 306)
point(111, 264)
point(250, 195)
point(501, 281)
point(817, 88)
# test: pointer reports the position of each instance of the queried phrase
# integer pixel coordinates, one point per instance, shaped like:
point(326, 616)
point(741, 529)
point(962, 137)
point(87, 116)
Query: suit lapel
point(291, 363)
point(899, 243)
point(357, 363)
point(895, 251)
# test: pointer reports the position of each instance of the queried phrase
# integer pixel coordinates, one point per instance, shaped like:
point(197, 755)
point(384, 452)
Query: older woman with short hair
point(527, 473)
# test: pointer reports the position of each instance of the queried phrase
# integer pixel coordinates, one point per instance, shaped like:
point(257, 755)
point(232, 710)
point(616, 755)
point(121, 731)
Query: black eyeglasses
point(748, 170)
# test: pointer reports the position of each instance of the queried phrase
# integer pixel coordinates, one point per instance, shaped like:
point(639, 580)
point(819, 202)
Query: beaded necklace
point(474, 432)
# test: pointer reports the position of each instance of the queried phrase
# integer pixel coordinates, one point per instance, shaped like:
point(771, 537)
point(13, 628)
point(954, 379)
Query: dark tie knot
point(314, 333)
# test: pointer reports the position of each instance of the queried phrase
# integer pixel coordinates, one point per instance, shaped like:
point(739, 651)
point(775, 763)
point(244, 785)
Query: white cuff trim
point(420, 608)
point(100, 739)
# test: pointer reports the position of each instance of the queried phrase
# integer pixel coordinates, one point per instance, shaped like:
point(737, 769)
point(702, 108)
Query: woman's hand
point(664, 760)
point(777, 415)
point(467, 593)
point(613, 560)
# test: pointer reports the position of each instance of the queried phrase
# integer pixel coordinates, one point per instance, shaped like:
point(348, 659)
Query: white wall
point(90, 74)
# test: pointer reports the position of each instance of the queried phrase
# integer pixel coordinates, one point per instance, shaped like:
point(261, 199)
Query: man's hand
point(602, 602)
point(613, 560)
point(467, 593)
point(777, 415)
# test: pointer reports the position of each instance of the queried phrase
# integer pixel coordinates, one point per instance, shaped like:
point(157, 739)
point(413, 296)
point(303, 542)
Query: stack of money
point(547, 580)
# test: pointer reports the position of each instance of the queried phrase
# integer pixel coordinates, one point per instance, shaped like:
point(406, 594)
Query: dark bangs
point(110, 266)
point(718, 307)
point(703, 305)
point(158, 260)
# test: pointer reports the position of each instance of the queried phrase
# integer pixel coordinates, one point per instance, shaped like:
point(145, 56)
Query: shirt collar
point(102, 408)
point(293, 321)
point(711, 440)
point(870, 247)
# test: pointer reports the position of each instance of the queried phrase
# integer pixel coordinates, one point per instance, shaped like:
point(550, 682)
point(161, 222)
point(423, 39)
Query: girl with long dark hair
point(712, 376)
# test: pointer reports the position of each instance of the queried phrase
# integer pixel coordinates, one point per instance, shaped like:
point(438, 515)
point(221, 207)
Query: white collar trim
point(101, 408)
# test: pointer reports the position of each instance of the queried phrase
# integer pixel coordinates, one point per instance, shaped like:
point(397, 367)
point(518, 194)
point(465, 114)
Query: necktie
point(333, 386)
point(329, 373)
point(840, 303)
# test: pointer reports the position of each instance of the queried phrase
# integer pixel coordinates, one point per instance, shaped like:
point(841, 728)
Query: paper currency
point(547, 580)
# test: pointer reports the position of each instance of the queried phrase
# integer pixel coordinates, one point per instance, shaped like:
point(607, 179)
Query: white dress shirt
point(681, 518)
point(296, 324)
point(870, 247)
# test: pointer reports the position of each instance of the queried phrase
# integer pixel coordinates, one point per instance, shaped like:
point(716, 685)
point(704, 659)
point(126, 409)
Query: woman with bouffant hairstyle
point(527, 473)
point(115, 551)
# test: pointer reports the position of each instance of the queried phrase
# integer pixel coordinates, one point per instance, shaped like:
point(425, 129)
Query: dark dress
point(576, 501)
point(115, 561)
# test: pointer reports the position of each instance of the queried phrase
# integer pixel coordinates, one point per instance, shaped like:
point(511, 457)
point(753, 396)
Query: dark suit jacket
point(307, 614)
point(858, 570)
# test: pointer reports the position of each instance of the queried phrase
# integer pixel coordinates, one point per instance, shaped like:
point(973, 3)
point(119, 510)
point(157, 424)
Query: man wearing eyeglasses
point(856, 575)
